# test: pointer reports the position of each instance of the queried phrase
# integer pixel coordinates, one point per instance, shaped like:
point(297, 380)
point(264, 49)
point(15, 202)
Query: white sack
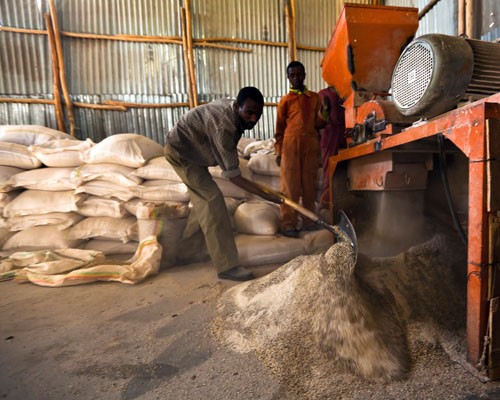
point(106, 228)
point(145, 262)
point(136, 206)
point(5, 234)
point(105, 189)
point(61, 220)
point(50, 179)
point(264, 164)
point(41, 202)
point(61, 152)
point(259, 147)
point(5, 174)
point(49, 262)
point(6, 198)
point(111, 247)
point(17, 155)
point(119, 174)
point(40, 238)
point(157, 168)
point(161, 190)
point(232, 204)
point(30, 134)
point(242, 144)
point(272, 182)
point(95, 206)
point(216, 171)
point(127, 149)
point(257, 218)
point(229, 189)
point(261, 250)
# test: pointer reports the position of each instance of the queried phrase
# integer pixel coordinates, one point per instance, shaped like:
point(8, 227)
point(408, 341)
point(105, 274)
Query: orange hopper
point(364, 49)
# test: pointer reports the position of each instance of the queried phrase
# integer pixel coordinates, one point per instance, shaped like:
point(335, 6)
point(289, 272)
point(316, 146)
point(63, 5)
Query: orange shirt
point(297, 115)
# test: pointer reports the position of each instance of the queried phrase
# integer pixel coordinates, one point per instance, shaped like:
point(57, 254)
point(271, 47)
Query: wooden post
point(189, 38)
point(62, 74)
point(461, 17)
point(185, 52)
point(55, 75)
point(469, 18)
point(292, 39)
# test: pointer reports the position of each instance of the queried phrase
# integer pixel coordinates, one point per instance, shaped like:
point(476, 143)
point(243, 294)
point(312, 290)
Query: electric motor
point(435, 72)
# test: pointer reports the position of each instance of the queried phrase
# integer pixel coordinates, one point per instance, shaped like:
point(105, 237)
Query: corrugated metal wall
point(99, 70)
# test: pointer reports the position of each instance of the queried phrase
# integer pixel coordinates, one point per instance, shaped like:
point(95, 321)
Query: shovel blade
point(345, 226)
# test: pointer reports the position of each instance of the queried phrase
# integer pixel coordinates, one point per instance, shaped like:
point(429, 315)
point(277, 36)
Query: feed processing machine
point(400, 92)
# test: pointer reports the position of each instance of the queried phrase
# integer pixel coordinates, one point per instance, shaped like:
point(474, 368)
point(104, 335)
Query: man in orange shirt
point(299, 116)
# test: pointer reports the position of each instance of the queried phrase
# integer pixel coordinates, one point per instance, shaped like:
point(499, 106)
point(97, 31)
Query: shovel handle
point(302, 210)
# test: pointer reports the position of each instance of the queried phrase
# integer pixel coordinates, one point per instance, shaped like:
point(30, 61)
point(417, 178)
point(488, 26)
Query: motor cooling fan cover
point(432, 75)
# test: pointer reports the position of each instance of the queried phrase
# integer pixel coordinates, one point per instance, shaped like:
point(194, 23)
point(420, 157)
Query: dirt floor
point(153, 341)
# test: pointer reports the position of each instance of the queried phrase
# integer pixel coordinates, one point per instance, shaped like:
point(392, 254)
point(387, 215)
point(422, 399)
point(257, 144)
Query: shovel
point(344, 223)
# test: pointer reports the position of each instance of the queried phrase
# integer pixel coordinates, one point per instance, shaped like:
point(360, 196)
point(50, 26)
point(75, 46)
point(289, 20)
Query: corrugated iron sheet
point(99, 70)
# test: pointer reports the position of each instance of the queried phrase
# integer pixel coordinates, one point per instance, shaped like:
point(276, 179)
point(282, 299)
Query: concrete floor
point(117, 341)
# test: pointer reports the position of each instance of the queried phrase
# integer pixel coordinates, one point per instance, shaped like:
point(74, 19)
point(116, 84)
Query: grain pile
point(391, 327)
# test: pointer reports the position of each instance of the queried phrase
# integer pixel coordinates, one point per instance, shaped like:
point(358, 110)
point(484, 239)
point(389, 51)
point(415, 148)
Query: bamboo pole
point(189, 37)
point(205, 42)
point(469, 18)
point(292, 40)
point(145, 105)
point(461, 17)
point(107, 107)
point(186, 58)
point(55, 75)
point(26, 101)
point(62, 73)
point(199, 42)
point(23, 30)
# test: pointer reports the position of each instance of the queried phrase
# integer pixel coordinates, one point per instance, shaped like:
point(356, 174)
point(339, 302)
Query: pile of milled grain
point(388, 328)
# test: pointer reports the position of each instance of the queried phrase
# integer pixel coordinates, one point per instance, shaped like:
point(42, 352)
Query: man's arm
point(251, 187)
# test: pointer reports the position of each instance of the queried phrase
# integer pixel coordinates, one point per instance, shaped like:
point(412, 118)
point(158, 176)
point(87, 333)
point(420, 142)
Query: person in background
point(299, 116)
point(207, 136)
point(332, 138)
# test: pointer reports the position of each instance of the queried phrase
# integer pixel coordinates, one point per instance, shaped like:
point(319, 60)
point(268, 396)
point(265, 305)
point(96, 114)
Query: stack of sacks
point(38, 201)
point(107, 179)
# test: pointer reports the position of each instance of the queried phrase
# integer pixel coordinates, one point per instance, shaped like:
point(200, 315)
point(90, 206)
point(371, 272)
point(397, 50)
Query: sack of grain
point(111, 247)
point(40, 238)
point(257, 218)
point(50, 179)
point(42, 201)
point(216, 171)
point(28, 135)
point(17, 155)
point(95, 206)
point(6, 173)
point(106, 228)
point(60, 220)
point(157, 168)
point(261, 250)
point(161, 190)
point(167, 224)
point(119, 174)
point(264, 164)
point(127, 149)
point(105, 189)
point(61, 152)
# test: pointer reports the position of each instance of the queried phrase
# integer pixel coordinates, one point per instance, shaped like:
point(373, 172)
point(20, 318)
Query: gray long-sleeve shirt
point(208, 135)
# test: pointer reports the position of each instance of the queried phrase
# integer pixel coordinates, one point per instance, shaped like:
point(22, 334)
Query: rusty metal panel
point(389, 170)
point(493, 169)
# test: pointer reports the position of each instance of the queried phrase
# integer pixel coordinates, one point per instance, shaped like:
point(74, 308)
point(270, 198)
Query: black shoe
point(291, 233)
point(237, 273)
